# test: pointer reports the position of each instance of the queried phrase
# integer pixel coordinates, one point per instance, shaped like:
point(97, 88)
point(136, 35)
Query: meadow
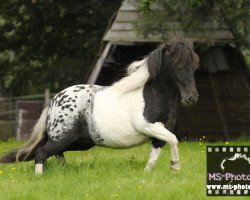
point(102, 173)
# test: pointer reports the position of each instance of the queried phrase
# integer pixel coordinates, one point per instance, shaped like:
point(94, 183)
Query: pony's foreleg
point(158, 131)
point(154, 155)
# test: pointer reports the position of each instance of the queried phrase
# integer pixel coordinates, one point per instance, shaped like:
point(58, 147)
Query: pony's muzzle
point(190, 100)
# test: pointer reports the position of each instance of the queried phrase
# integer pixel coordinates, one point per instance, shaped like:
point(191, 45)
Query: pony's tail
point(27, 152)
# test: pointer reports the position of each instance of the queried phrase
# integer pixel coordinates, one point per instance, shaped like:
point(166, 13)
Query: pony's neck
point(164, 87)
point(138, 76)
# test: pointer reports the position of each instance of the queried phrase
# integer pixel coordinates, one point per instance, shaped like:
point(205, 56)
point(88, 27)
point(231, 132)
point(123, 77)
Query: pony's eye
point(180, 69)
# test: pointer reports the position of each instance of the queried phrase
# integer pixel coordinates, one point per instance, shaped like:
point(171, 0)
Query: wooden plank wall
point(203, 119)
point(28, 113)
point(7, 119)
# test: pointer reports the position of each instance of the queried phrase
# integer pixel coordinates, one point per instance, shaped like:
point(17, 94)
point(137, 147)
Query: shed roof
point(123, 29)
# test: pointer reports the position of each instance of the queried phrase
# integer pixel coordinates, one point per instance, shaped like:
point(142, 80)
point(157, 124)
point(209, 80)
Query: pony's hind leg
point(61, 158)
point(43, 153)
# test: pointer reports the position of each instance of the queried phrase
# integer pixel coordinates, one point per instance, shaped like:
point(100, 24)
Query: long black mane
point(178, 53)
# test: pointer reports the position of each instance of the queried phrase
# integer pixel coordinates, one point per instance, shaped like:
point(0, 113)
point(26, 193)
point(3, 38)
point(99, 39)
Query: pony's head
point(175, 63)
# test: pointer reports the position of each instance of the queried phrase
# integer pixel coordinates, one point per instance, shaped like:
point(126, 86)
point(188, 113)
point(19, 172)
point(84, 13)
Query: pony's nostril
point(190, 99)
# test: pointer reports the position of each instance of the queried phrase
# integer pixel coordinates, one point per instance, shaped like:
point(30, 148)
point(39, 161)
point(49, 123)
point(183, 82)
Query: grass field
point(103, 173)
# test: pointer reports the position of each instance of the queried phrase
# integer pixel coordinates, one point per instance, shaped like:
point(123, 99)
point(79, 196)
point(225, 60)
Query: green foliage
point(237, 14)
point(193, 13)
point(145, 5)
point(49, 43)
point(105, 174)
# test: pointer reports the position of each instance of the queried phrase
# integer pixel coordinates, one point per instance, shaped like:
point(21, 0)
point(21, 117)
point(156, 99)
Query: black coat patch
point(160, 106)
point(80, 135)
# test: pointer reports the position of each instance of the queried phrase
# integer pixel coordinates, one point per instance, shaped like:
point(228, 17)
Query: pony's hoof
point(62, 162)
point(147, 169)
point(175, 166)
point(39, 169)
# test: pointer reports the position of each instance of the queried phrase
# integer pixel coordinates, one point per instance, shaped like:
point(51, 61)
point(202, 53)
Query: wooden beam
point(245, 81)
point(98, 66)
point(172, 25)
point(219, 109)
point(46, 96)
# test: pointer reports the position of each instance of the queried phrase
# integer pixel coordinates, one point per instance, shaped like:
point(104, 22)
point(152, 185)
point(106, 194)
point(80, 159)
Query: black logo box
point(215, 156)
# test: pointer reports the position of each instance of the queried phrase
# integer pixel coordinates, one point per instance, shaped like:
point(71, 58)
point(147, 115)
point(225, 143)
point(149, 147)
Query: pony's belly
point(115, 117)
point(121, 140)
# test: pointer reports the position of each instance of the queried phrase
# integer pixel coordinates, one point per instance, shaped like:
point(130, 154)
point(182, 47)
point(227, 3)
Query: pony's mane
point(182, 53)
point(134, 66)
point(139, 72)
point(178, 53)
point(137, 76)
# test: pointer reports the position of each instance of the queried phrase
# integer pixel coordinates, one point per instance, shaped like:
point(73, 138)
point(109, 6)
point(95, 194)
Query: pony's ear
point(154, 61)
point(167, 47)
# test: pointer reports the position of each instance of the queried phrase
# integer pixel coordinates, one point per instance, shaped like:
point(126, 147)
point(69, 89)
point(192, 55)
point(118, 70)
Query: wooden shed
point(28, 112)
point(223, 109)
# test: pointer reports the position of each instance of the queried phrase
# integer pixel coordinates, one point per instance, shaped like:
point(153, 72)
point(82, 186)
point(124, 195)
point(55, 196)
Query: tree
point(193, 12)
point(49, 43)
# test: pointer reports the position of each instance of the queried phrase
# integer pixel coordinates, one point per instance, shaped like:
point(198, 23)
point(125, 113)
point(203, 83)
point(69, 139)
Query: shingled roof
point(123, 29)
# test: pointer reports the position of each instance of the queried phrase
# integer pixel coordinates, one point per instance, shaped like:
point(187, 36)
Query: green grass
point(102, 173)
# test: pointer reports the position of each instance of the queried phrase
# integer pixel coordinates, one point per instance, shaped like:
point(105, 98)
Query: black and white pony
point(135, 109)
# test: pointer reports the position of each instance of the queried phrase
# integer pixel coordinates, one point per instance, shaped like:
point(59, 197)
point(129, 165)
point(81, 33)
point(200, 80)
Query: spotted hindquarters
point(70, 117)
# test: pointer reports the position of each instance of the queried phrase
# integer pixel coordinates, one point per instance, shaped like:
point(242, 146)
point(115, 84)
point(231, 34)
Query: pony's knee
point(158, 131)
point(173, 140)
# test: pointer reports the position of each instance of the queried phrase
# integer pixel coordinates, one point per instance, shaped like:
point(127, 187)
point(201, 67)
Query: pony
point(135, 109)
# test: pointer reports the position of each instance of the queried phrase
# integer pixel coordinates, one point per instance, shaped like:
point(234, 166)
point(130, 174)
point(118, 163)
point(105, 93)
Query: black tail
point(11, 156)
point(27, 152)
